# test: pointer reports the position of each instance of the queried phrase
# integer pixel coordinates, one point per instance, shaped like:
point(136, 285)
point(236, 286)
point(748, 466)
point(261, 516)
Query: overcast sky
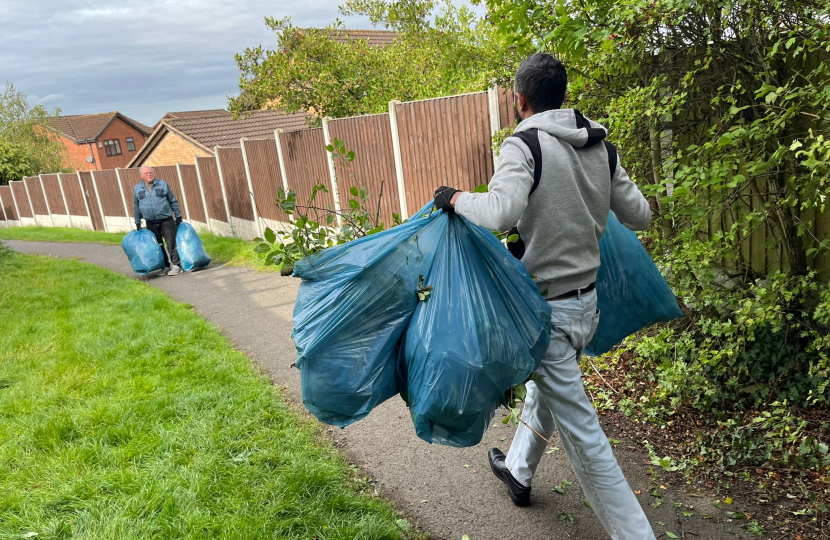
point(140, 57)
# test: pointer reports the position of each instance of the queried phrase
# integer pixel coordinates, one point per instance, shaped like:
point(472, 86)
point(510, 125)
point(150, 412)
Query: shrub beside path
point(448, 492)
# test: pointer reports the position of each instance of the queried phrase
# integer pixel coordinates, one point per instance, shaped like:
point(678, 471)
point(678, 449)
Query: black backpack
point(531, 138)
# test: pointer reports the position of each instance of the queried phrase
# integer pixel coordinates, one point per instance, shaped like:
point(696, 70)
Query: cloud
point(142, 59)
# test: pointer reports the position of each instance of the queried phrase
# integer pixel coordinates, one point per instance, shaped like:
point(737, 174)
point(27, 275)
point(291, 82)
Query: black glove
point(178, 221)
point(443, 196)
point(138, 226)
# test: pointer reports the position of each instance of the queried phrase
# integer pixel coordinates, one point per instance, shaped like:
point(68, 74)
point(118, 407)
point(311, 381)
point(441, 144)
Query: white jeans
point(558, 401)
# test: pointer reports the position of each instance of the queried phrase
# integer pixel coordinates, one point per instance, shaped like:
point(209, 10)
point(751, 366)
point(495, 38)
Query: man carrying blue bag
point(559, 210)
point(154, 201)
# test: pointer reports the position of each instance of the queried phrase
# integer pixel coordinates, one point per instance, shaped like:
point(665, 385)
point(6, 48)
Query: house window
point(113, 147)
point(130, 144)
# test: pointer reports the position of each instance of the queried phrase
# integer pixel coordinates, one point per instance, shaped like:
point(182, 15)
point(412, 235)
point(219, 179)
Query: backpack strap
point(531, 139)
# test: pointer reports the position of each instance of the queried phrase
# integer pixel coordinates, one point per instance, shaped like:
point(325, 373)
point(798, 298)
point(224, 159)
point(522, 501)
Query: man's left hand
point(445, 198)
point(178, 221)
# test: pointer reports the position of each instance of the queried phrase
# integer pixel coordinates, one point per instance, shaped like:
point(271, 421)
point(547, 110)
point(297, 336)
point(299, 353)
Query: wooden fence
point(400, 157)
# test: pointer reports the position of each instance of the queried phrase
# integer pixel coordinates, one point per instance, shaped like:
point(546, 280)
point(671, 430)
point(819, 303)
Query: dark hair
point(542, 80)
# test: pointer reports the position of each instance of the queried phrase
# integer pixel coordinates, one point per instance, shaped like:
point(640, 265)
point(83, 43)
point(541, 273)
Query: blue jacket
point(155, 204)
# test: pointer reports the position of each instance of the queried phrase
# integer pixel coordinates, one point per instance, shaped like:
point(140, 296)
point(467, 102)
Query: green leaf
point(350, 155)
point(270, 235)
point(480, 189)
point(262, 248)
point(822, 448)
point(671, 534)
point(329, 148)
point(796, 145)
point(771, 97)
point(330, 219)
point(354, 191)
point(353, 204)
point(512, 238)
point(403, 525)
point(376, 230)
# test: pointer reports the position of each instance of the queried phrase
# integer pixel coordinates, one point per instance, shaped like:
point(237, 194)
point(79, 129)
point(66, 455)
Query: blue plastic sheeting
point(631, 292)
point(191, 251)
point(483, 330)
point(143, 251)
point(352, 317)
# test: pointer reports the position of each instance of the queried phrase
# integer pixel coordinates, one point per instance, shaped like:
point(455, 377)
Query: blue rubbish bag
point(353, 305)
point(191, 251)
point(143, 251)
point(631, 292)
point(483, 329)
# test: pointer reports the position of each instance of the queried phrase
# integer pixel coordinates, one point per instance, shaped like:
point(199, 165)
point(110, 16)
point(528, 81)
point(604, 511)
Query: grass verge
point(229, 250)
point(125, 415)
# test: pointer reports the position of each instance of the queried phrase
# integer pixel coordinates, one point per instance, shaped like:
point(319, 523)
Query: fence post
point(332, 171)
point(100, 206)
point(46, 199)
point(396, 149)
point(281, 159)
point(16, 206)
point(123, 199)
point(260, 231)
point(184, 195)
point(86, 203)
point(224, 192)
point(495, 119)
point(31, 206)
point(202, 193)
point(63, 196)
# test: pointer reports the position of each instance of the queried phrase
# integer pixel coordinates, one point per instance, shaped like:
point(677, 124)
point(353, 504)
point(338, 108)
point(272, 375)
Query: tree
point(28, 143)
point(14, 162)
point(438, 52)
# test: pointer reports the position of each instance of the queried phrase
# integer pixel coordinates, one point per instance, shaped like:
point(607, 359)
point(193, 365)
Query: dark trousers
point(166, 229)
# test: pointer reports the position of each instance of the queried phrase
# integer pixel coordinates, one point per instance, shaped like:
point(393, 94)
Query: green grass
point(124, 415)
point(230, 250)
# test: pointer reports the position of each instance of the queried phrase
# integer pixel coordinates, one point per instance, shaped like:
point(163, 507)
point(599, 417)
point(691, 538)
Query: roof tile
point(223, 130)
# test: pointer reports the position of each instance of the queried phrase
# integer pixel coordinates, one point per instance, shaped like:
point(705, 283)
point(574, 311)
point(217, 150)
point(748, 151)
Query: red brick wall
point(78, 154)
point(118, 129)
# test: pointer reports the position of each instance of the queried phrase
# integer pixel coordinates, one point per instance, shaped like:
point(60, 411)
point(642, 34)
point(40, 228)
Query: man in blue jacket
point(153, 200)
point(556, 180)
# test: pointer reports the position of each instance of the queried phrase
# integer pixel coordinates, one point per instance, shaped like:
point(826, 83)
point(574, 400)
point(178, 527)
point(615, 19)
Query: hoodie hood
point(567, 125)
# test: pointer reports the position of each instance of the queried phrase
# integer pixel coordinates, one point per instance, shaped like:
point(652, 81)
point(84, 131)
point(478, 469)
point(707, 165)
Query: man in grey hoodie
point(559, 208)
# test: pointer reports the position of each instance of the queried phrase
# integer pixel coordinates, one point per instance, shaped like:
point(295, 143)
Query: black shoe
point(519, 494)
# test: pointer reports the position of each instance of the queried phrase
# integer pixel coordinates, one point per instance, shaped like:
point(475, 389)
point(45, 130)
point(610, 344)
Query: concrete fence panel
point(370, 138)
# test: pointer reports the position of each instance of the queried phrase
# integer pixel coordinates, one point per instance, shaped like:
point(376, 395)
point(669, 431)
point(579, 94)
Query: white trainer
point(174, 270)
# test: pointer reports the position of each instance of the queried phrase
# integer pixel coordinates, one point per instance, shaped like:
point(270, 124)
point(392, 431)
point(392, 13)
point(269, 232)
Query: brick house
point(181, 138)
point(100, 141)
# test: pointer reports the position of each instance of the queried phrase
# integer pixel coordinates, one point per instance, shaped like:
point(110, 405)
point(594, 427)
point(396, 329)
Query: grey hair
point(141, 170)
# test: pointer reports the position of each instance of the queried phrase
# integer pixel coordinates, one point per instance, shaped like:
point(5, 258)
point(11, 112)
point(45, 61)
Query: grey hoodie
point(562, 221)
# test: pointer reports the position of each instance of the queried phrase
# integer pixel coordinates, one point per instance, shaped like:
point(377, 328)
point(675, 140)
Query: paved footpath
point(448, 492)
